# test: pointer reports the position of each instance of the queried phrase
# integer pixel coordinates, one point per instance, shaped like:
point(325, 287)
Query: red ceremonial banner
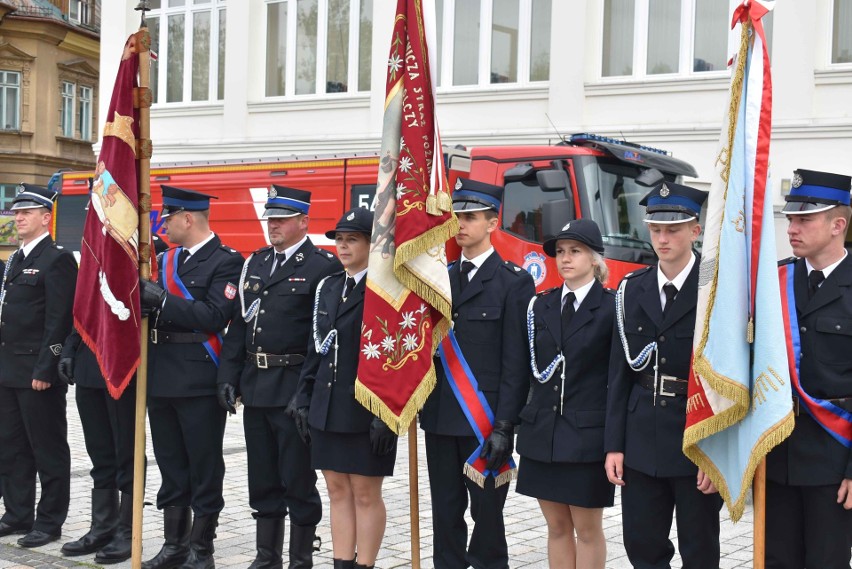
point(106, 304)
point(407, 303)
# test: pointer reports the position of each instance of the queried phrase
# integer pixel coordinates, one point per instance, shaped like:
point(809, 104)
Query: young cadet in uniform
point(809, 475)
point(192, 303)
point(354, 449)
point(646, 402)
point(562, 427)
point(36, 299)
point(263, 355)
point(490, 298)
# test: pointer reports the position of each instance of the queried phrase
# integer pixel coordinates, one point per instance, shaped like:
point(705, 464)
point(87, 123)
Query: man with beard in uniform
point(809, 475)
point(192, 304)
point(37, 294)
point(646, 402)
point(261, 361)
point(490, 298)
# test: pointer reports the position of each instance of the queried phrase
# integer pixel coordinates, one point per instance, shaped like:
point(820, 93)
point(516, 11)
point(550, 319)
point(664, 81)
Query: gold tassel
point(432, 205)
point(445, 202)
point(505, 477)
point(477, 477)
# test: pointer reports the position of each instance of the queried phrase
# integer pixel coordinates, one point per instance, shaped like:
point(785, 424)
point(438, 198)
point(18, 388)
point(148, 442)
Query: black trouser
point(34, 440)
point(279, 468)
point(647, 505)
point(108, 427)
point(187, 434)
point(806, 528)
point(445, 458)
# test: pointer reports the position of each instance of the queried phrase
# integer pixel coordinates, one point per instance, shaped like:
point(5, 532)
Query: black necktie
point(183, 256)
point(466, 268)
point(16, 262)
point(670, 291)
point(347, 289)
point(815, 278)
point(567, 310)
point(279, 260)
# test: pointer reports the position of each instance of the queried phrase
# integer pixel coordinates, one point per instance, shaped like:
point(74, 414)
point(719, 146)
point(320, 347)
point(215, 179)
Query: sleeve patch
point(56, 349)
point(230, 291)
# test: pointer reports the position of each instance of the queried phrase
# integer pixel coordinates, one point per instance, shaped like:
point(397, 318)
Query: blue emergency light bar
point(585, 137)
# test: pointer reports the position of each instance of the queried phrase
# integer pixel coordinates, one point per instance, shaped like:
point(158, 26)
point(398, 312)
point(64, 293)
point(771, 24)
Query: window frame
point(321, 71)
point(830, 43)
point(86, 126)
point(188, 10)
point(686, 46)
point(486, 18)
point(4, 87)
point(67, 130)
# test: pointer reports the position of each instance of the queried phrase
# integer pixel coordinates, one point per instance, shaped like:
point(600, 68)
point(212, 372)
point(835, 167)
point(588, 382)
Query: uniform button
point(330, 365)
point(329, 384)
point(554, 408)
point(555, 388)
point(662, 339)
point(639, 329)
point(293, 289)
point(484, 315)
point(263, 312)
point(663, 403)
point(662, 360)
point(455, 314)
point(266, 292)
point(259, 330)
point(805, 329)
point(837, 327)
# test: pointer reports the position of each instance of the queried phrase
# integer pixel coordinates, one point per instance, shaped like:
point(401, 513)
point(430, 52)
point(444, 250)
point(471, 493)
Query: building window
point(86, 113)
point(643, 38)
point(80, 11)
point(10, 99)
point(193, 51)
point(66, 116)
point(318, 46)
point(484, 42)
point(7, 195)
point(841, 32)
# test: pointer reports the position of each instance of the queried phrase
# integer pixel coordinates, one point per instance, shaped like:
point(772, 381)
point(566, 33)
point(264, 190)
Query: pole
point(143, 102)
point(413, 495)
point(759, 489)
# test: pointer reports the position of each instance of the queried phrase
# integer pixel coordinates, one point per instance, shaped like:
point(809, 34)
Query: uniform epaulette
point(787, 261)
point(60, 247)
point(512, 267)
point(450, 264)
point(638, 272)
point(609, 291)
point(262, 249)
point(548, 291)
point(229, 250)
point(325, 254)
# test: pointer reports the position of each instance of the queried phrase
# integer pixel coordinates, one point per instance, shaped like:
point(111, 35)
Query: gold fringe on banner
point(398, 423)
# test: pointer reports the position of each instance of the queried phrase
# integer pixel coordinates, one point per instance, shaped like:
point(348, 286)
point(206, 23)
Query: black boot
point(359, 566)
point(302, 546)
point(201, 543)
point(176, 531)
point(343, 564)
point(270, 543)
point(118, 549)
point(104, 518)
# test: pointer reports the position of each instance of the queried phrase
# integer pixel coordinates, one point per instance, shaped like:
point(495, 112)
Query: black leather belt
point(165, 337)
point(797, 405)
point(669, 385)
point(263, 361)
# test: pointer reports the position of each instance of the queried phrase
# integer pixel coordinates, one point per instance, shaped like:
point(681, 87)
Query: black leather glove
point(226, 393)
point(382, 438)
point(151, 294)
point(300, 416)
point(499, 444)
point(65, 369)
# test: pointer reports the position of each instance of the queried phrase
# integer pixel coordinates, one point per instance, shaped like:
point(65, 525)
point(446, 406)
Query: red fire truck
point(545, 187)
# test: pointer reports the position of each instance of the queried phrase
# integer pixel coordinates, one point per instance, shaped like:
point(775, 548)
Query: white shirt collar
point(290, 251)
point(479, 259)
point(579, 294)
point(829, 269)
point(357, 276)
point(679, 280)
point(197, 247)
point(28, 248)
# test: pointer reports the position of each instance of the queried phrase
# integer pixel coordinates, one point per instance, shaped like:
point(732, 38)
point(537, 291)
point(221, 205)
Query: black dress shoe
point(6, 529)
point(37, 538)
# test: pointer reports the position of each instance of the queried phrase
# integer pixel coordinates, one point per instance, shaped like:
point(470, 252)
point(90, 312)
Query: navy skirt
point(582, 484)
point(349, 453)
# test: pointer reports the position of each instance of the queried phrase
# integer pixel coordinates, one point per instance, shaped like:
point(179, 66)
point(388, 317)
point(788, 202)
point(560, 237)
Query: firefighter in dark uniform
point(562, 426)
point(36, 301)
point(192, 304)
point(354, 449)
point(646, 402)
point(809, 475)
point(490, 298)
point(261, 361)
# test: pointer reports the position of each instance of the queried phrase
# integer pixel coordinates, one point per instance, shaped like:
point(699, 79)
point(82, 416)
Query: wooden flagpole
point(759, 493)
point(142, 100)
point(414, 495)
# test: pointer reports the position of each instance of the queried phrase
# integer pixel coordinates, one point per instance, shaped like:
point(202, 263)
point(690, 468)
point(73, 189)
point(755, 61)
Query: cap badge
point(273, 193)
point(351, 216)
point(797, 180)
point(664, 191)
point(458, 184)
point(567, 227)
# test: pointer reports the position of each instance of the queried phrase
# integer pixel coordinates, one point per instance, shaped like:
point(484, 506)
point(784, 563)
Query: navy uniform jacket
point(577, 435)
point(186, 370)
point(37, 315)
point(810, 456)
point(489, 320)
point(651, 437)
point(283, 323)
point(332, 396)
point(87, 373)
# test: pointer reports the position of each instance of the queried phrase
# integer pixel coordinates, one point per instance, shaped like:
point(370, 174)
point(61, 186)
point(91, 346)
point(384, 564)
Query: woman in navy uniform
point(354, 449)
point(562, 426)
point(646, 401)
point(809, 475)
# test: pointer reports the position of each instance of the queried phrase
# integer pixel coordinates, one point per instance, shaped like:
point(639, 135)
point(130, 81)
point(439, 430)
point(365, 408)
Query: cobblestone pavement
point(527, 534)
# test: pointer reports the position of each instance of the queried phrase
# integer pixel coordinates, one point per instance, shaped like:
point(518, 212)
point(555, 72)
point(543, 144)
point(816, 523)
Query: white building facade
point(245, 79)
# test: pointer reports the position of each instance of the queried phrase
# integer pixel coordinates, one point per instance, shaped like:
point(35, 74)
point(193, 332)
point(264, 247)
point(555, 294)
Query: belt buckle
point(661, 390)
point(261, 361)
point(153, 334)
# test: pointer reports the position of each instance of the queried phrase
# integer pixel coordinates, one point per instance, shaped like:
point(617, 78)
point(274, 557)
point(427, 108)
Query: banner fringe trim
point(398, 423)
point(114, 391)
